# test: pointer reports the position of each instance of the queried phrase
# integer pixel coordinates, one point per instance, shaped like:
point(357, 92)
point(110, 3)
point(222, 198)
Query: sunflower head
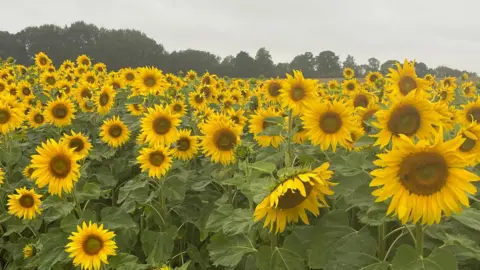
point(78, 142)
point(271, 89)
point(42, 60)
point(404, 80)
point(84, 60)
point(60, 112)
point(114, 132)
point(24, 204)
point(297, 92)
point(28, 251)
point(156, 160)
point(348, 73)
point(105, 99)
point(221, 136)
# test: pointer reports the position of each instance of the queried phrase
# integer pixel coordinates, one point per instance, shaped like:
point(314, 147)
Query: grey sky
point(432, 31)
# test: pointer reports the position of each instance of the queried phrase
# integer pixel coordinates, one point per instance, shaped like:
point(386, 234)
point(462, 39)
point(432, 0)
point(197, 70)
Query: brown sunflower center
point(447, 83)
point(404, 120)
point(43, 61)
point(467, 91)
point(350, 86)
point(274, 89)
point(2, 87)
point(348, 72)
point(115, 131)
point(50, 80)
point(60, 111)
point(423, 173)
point(235, 119)
point(373, 78)
point(4, 116)
point(227, 104)
point(291, 199)
point(77, 144)
point(129, 77)
point(206, 80)
point(115, 85)
point(162, 125)
point(206, 91)
point(91, 79)
point(104, 98)
point(468, 144)
point(60, 166)
point(183, 144)
point(360, 101)
point(13, 91)
point(473, 113)
point(443, 95)
point(407, 84)
point(297, 92)
point(149, 81)
point(136, 107)
point(156, 158)
point(330, 122)
point(26, 91)
point(86, 93)
point(30, 171)
point(198, 99)
point(85, 62)
point(38, 118)
point(177, 108)
point(191, 76)
point(225, 139)
point(26, 201)
point(92, 245)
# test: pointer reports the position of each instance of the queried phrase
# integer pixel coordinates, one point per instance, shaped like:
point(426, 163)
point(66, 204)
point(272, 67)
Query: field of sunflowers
point(138, 169)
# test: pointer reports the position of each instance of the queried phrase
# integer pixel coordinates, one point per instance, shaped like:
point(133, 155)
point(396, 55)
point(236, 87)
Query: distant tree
point(328, 65)
point(374, 64)
point(11, 46)
point(264, 63)
point(244, 65)
point(226, 67)
point(386, 65)
point(281, 69)
point(304, 62)
point(349, 62)
point(421, 69)
point(363, 70)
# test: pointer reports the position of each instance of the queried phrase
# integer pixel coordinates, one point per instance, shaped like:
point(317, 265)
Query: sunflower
point(35, 118)
point(156, 159)
point(362, 98)
point(333, 85)
point(411, 115)
point(84, 60)
point(423, 179)
point(271, 89)
point(28, 251)
point(259, 122)
point(372, 78)
point(42, 60)
point(1, 176)
point(90, 245)
point(429, 77)
point(221, 136)
point(105, 99)
point(191, 75)
point(227, 104)
point(297, 92)
point(366, 114)
point(28, 171)
point(470, 148)
point(136, 109)
point(64, 87)
point(129, 75)
point(296, 193)
point(446, 94)
point(350, 87)
point(469, 90)
point(90, 77)
point(87, 105)
point(78, 142)
point(25, 90)
point(404, 80)
point(197, 100)
point(208, 79)
point(160, 125)
point(114, 132)
point(25, 204)
point(3, 86)
point(238, 117)
point(449, 82)
point(470, 112)
point(49, 80)
point(10, 118)
point(178, 107)
point(448, 114)
point(348, 73)
point(186, 146)
point(208, 91)
point(13, 90)
point(83, 91)
point(149, 80)
point(329, 123)
point(100, 68)
point(60, 112)
point(115, 82)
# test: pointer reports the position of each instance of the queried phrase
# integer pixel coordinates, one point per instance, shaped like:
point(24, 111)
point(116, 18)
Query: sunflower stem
point(289, 156)
point(419, 233)
point(381, 241)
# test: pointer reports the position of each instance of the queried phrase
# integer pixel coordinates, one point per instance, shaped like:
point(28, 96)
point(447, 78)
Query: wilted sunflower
point(411, 115)
point(105, 99)
point(271, 89)
point(470, 148)
point(296, 193)
point(160, 125)
point(297, 92)
point(25, 204)
point(260, 121)
point(156, 159)
point(197, 100)
point(42, 60)
point(78, 142)
point(60, 112)
point(90, 245)
point(114, 132)
point(35, 118)
point(149, 80)
point(470, 112)
point(404, 80)
point(423, 179)
point(83, 60)
point(186, 146)
point(348, 73)
point(372, 78)
point(221, 136)
point(56, 166)
point(28, 251)
point(10, 118)
point(350, 87)
point(329, 124)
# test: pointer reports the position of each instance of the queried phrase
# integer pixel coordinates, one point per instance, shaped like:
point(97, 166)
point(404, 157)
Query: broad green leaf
point(374, 215)
point(135, 100)
point(469, 217)
point(129, 187)
point(90, 191)
point(348, 184)
point(126, 238)
point(361, 196)
point(174, 188)
point(279, 120)
point(407, 258)
point(365, 140)
point(11, 153)
point(158, 246)
point(115, 218)
point(334, 218)
point(219, 217)
point(240, 221)
point(229, 250)
point(184, 266)
point(376, 266)
point(124, 261)
point(263, 166)
point(279, 258)
point(69, 223)
point(52, 251)
point(56, 208)
point(106, 178)
point(273, 130)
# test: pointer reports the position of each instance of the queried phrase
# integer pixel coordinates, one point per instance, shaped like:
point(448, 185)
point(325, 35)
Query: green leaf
point(348, 184)
point(279, 258)
point(124, 261)
point(135, 100)
point(69, 223)
point(240, 221)
point(219, 217)
point(263, 166)
point(184, 266)
point(334, 218)
point(129, 187)
point(12, 153)
point(115, 218)
point(407, 258)
point(361, 196)
point(158, 246)
point(56, 208)
point(175, 188)
point(106, 178)
point(52, 250)
point(229, 250)
point(365, 140)
point(273, 130)
point(376, 266)
point(469, 217)
point(279, 120)
point(90, 191)
point(374, 215)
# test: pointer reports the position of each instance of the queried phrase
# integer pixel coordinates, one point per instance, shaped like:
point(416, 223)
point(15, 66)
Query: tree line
point(132, 48)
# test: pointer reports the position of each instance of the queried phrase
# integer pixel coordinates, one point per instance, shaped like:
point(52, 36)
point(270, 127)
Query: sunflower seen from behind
point(260, 121)
point(157, 160)
point(160, 125)
point(78, 142)
point(297, 92)
point(404, 80)
point(90, 246)
point(114, 132)
point(423, 179)
point(25, 204)
point(186, 146)
point(294, 194)
point(105, 99)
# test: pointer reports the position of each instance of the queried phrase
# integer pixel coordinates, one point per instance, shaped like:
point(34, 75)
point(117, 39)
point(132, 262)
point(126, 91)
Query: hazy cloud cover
point(434, 32)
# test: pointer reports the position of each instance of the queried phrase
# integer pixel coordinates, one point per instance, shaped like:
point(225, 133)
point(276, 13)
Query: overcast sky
point(432, 31)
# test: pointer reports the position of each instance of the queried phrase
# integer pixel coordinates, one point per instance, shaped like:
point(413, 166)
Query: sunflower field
point(140, 169)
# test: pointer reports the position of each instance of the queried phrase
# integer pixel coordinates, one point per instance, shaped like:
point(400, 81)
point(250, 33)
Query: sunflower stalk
point(419, 237)
point(382, 241)
point(289, 154)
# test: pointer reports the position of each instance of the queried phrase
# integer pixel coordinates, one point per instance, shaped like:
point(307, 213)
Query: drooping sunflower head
point(350, 87)
point(469, 113)
point(90, 246)
point(114, 132)
point(261, 121)
point(295, 193)
point(83, 60)
point(348, 73)
point(42, 60)
point(78, 142)
point(150, 80)
point(105, 99)
point(160, 125)
point(423, 179)
point(271, 89)
point(25, 204)
point(60, 112)
point(186, 146)
point(28, 251)
point(404, 80)
point(470, 148)
point(297, 92)
point(208, 79)
point(157, 160)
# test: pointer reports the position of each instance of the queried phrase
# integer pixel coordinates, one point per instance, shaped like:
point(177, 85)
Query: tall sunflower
point(348, 73)
point(149, 81)
point(178, 107)
point(114, 132)
point(136, 109)
point(78, 142)
point(297, 92)
point(105, 99)
point(42, 60)
point(129, 75)
point(449, 82)
point(362, 98)
point(259, 122)
point(411, 115)
point(186, 146)
point(329, 124)
point(446, 94)
point(56, 166)
point(25, 204)
point(423, 179)
point(238, 117)
point(160, 125)
point(404, 80)
point(469, 90)
point(333, 85)
point(350, 87)
point(271, 89)
point(84, 60)
point(191, 75)
point(221, 136)
point(60, 112)
point(90, 246)
point(157, 160)
point(288, 200)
